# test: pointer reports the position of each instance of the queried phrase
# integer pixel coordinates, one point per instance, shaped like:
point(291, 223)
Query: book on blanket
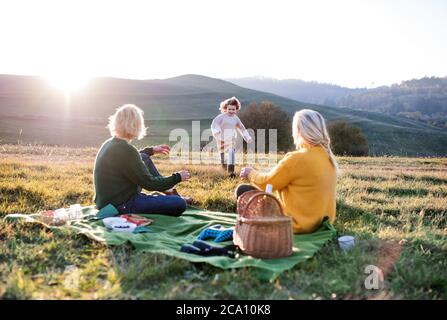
point(137, 219)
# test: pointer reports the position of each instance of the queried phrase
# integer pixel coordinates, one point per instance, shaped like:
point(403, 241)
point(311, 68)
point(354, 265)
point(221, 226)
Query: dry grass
point(396, 208)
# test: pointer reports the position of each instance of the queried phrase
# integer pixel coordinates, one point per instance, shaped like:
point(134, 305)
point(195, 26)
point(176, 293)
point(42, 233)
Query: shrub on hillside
point(266, 115)
point(347, 140)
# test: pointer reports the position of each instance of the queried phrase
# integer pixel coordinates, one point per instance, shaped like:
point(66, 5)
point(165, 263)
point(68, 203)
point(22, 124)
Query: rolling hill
point(33, 111)
point(300, 90)
point(424, 99)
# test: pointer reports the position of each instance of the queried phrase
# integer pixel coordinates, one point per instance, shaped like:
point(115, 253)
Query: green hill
point(32, 111)
point(424, 99)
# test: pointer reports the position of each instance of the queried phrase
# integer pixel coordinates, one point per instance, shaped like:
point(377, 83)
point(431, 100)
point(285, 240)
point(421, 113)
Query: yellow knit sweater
point(304, 181)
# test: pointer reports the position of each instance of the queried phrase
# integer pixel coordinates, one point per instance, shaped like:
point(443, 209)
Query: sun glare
point(68, 83)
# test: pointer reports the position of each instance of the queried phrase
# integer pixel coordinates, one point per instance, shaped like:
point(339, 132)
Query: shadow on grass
point(406, 192)
point(29, 198)
point(219, 204)
point(429, 179)
point(71, 196)
point(400, 192)
point(436, 217)
point(433, 180)
point(348, 215)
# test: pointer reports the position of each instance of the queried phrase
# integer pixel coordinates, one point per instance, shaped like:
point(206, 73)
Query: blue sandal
point(217, 233)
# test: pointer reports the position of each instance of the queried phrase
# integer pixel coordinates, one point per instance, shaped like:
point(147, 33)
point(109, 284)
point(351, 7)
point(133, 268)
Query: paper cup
point(346, 242)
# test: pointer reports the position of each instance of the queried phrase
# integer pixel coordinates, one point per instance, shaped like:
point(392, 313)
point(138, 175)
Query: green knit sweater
point(119, 172)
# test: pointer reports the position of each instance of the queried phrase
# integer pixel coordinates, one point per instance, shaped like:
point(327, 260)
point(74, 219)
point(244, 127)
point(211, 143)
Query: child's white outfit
point(224, 129)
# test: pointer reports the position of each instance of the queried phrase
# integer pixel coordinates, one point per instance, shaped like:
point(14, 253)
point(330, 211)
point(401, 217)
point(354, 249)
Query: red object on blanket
point(137, 219)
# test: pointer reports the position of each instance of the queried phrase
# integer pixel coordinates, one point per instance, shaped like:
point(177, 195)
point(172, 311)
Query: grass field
point(82, 133)
point(395, 207)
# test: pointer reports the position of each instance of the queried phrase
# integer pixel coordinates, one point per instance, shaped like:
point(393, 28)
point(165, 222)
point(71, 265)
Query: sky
point(353, 43)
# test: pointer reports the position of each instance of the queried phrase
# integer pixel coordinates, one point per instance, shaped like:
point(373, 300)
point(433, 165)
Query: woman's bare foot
point(173, 192)
point(188, 200)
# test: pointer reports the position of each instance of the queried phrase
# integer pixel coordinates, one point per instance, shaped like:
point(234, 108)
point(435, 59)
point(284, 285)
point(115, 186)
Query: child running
point(224, 128)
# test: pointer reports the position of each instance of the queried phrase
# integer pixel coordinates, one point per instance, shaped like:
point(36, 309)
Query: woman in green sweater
point(121, 171)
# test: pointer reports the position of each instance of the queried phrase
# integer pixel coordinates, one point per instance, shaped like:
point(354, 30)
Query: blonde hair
point(309, 128)
point(233, 101)
point(127, 123)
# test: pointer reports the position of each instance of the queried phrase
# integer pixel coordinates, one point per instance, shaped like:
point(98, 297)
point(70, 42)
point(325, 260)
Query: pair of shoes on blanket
point(202, 248)
point(217, 233)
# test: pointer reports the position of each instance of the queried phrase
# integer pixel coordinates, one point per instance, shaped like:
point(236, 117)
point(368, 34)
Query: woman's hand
point(185, 175)
point(162, 148)
point(245, 172)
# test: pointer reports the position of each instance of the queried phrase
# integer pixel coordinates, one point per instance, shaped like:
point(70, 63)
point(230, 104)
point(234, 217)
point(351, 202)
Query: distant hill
point(423, 99)
point(420, 99)
point(25, 103)
point(184, 97)
point(307, 91)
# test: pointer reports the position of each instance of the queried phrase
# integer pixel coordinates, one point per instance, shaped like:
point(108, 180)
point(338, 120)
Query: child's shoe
point(231, 171)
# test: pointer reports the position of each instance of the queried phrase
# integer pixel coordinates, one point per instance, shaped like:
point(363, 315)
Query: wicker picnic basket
point(262, 230)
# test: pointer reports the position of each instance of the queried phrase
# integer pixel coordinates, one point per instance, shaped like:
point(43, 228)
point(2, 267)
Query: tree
point(267, 116)
point(347, 139)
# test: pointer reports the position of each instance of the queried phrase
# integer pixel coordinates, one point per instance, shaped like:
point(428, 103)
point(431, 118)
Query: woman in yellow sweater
point(304, 180)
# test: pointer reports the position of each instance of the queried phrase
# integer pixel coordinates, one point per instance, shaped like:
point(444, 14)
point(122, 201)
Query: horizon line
point(228, 79)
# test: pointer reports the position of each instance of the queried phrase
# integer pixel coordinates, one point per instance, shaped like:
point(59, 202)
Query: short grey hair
point(127, 123)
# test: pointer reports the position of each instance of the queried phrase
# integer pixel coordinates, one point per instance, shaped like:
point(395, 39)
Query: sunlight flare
point(68, 82)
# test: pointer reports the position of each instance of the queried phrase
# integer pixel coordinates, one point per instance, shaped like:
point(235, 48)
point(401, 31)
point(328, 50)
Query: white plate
point(109, 221)
point(124, 227)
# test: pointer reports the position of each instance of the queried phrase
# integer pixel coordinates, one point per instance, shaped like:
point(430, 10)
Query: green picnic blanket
point(168, 234)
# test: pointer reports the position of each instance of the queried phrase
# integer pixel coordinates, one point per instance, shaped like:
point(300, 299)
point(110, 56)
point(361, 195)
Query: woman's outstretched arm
point(136, 171)
point(279, 177)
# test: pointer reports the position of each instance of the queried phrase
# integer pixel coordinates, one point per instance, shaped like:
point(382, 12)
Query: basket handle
point(262, 193)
